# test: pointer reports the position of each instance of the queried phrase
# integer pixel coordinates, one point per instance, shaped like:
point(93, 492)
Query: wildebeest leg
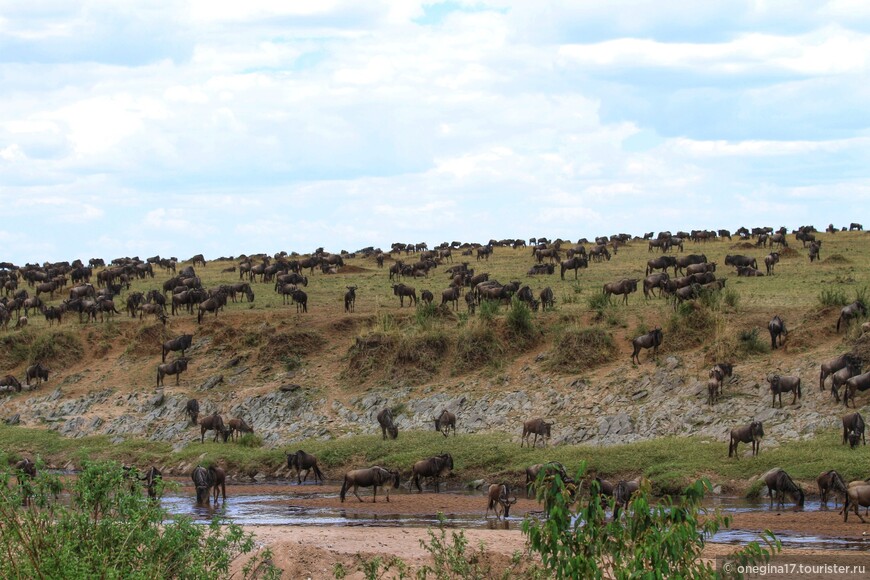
point(355, 487)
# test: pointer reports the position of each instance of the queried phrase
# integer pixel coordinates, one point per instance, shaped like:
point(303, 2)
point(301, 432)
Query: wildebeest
point(536, 427)
point(855, 384)
point(575, 264)
point(350, 299)
point(25, 469)
point(238, 426)
point(853, 429)
point(771, 260)
point(213, 304)
point(652, 339)
point(300, 298)
point(10, 382)
point(499, 497)
point(685, 261)
point(192, 410)
point(856, 226)
point(385, 420)
point(779, 483)
point(550, 469)
point(625, 287)
point(778, 331)
point(654, 281)
point(38, 372)
point(714, 387)
point(832, 366)
point(841, 377)
point(152, 479)
point(752, 433)
point(445, 422)
point(213, 422)
point(427, 296)
point(857, 494)
point(181, 343)
point(203, 480)
point(815, 248)
point(302, 460)
point(784, 384)
point(451, 295)
point(176, 367)
point(662, 263)
point(853, 310)
point(435, 467)
point(829, 481)
point(622, 494)
point(373, 477)
point(740, 261)
point(401, 290)
point(548, 300)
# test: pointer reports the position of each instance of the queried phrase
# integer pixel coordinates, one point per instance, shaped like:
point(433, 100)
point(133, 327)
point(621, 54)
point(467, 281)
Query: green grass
point(670, 462)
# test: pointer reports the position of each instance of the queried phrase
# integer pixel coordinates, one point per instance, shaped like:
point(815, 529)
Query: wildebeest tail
point(318, 473)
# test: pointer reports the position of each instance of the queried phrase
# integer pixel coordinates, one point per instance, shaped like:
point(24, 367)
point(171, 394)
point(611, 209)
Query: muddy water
point(315, 505)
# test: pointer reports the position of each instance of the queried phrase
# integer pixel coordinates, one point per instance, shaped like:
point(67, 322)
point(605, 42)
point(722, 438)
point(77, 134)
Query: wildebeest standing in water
point(499, 497)
point(373, 477)
point(778, 484)
point(829, 481)
point(205, 479)
point(434, 467)
point(385, 419)
point(652, 339)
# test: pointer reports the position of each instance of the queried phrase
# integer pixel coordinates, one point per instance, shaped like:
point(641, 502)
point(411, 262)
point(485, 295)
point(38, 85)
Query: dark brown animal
point(536, 427)
point(550, 469)
point(433, 467)
point(181, 343)
point(855, 384)
point(350, 299)
point(652, 339)
point(304, 461)
point(780, 384)
point(192, 410)
point(238, 426)
point(373, 477)
point(778, 484)
point(752, 433)
point(401, 290)
point(385, 420)
point(857, 494)
point(829, 481)
point(777, 330)
point(499, 497)
point(625, 287)
point(832, 366)
point(853, 310)
point(214, 423)
point(445, 422)
point(10, 383)
point(853, 429)
point(38, 372)
point(176, 367)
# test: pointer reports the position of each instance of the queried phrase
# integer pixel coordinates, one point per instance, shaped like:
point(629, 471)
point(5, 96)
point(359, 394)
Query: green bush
point(649, 540)
point(488, 310)
point(519, 318)
point(577, 350)
point(111, 530)
point(832, 297)
point(731, 297)
point(750, 343)
point(693, 323)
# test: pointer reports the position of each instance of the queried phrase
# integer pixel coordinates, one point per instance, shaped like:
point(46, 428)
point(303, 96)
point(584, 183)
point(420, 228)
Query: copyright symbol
point(728, 567)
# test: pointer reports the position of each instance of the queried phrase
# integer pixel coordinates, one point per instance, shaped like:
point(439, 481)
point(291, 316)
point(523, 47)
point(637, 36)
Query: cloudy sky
point(228, 127)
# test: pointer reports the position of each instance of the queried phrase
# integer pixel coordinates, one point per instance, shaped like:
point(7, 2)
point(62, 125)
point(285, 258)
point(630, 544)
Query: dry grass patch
point(580, 349)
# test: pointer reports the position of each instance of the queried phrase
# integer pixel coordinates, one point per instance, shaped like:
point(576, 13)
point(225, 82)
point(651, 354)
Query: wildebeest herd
point(693, 277)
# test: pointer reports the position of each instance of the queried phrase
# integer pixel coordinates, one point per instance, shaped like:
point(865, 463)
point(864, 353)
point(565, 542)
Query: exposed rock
point(212, 383)
point(289, 388)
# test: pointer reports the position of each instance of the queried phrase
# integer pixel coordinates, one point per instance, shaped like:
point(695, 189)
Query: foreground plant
point(664, 540)
point(110, 529)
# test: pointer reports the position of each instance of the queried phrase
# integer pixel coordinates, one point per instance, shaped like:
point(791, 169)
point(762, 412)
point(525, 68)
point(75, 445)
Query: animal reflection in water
point(373, 477)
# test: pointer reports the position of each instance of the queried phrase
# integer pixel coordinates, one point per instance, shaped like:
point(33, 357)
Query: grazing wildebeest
point(853, 429)
point(548, 300)
point(198, 259)
point(625, 287)
point(213, 422)
point(373, 477)
point(536, 427)
point(38, 372)
point(856, 226)
point(12, 382)
point(853, 310)
point(427, 296)
point(752, 433)
point(779, 483)
point(499, 497)
point(192, 410)
point(238, 426)
point(771, 260)
point(832, 366)
point(176, 367)
point(445, 422)
point(575, 264)
point(385, 420)
point(302, 460)
point(550, 469)
point(652, 339)
point(434, 467)
point(857, 494)
point(855, 384)
point(622, 494)
point(401, 290)
point(784, 384)
point(181, 343)
point(829, 481)
point(777, 329)
point(350, 299)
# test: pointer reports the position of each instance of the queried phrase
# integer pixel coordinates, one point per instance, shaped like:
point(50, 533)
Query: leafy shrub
point(426, 314)
point(519, 318)
point(832, 297)
point(59, 347)
point(111, 530)
point(692, 324)
point(577, 350)
point(730, 297)
point(750, 343)
point(660, 540)
point(488, 310)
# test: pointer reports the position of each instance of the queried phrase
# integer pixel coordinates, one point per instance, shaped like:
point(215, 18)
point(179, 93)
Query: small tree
point(664, 540)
